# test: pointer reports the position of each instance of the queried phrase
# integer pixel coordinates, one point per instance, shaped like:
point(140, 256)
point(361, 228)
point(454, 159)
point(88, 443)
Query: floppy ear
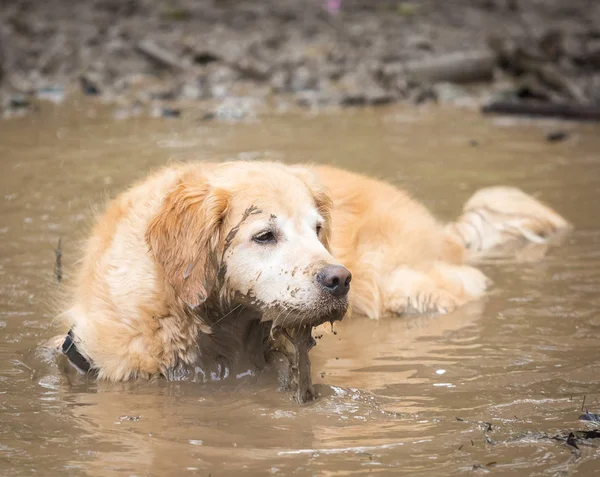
point(185, 237)
point(321, 197)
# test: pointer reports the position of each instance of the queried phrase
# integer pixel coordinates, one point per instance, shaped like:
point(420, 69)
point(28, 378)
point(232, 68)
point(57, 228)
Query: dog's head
point(254, 234)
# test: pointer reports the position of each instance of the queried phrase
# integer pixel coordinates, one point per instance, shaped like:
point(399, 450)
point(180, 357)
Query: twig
point(573, 111)
point(160, 55)
point(459, 67)
point(58, 263)
point(583, 403)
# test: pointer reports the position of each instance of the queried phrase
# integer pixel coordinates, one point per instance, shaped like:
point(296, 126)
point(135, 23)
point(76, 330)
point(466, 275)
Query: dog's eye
point(264, 237)
point(318, 229)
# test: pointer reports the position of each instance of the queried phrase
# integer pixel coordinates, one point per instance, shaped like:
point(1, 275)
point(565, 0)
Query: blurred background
point(314, 52)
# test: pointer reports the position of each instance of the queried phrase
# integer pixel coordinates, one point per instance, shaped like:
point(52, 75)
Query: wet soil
point(146, 55)
point(514, 368)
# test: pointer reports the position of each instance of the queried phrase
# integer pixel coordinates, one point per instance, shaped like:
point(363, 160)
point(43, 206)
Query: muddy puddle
point(391, 391)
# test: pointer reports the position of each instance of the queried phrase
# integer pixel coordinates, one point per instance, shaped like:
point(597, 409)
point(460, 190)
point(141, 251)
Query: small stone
point(303, 79)
point(313, 99)
point(166, 112)
point(253, 69)
point(420, 43)
point(195, 89)
point(379, 97)
point(54, 94)
point(279, 81)
point(557, 136)
point(18, 101)
point(208, 116)
point(88, 86)
point(448, 92)
point(163, 94)
point(424, 94)
point(354, 99)
point(205, 57)
point(237, 108)
point(171, 113)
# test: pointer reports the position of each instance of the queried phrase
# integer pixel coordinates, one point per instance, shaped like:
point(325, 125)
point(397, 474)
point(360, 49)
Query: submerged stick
point(58, 263)
point(302, 341)
point(574, 111)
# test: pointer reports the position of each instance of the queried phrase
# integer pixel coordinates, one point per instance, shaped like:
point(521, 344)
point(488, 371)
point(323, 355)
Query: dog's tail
point(501, 221)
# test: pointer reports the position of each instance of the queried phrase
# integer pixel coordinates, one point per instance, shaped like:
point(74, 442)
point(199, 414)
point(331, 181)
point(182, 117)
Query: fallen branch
point(578, 112)
point(160, 55)
point(460, 67)
point(58, 263)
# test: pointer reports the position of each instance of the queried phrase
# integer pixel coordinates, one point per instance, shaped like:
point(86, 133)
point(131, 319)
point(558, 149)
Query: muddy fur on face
point(184, 274)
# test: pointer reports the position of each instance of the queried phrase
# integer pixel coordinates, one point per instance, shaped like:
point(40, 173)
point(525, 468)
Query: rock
point(371, 96)
point(551, 44)
point(253, 69)
point(195, 89)
point(592, 56)
point(205, 57)
point(163, 94)
point(422, 94)
point(127, 111)
point(208, 117)
point(280, 81)
point(219, 80)
point(166, 112)
point(448, 92)
point(303, 79)
point(18, 101)
point(557, 136)
point(419, 43)
point(89, 86)
point(315, 99)
point(237, 108)
point(354, 99)
point(54, 94)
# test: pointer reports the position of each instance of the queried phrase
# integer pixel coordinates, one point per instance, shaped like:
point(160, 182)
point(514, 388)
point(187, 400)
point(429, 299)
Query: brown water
point(522, 360)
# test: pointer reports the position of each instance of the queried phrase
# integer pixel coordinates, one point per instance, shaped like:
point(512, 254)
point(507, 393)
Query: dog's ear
point(185, 237)
point(321, 197)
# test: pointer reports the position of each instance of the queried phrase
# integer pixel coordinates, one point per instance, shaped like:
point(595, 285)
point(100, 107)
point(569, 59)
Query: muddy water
point(392, 390)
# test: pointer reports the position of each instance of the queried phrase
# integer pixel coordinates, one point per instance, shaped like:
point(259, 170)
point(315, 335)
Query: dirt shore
point(141, 53)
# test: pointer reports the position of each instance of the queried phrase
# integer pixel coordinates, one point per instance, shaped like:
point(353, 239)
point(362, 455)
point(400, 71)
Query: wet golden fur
point(405, 260)
point(160, 248)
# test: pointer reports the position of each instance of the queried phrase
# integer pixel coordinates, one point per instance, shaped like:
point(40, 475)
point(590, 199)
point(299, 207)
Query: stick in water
point(302, 341)
point(58, 263)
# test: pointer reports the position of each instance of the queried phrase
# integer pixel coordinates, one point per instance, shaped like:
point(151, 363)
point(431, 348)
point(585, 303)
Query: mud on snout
point(326, 300)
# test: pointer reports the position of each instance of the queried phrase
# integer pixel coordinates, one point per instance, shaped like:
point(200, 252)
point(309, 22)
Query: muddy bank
point(142, 53)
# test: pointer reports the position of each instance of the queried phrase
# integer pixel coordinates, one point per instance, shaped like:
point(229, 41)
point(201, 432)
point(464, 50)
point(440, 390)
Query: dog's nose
point(335, 279)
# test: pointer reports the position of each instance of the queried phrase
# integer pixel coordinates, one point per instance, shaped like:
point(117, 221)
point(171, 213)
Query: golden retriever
point(187, 272)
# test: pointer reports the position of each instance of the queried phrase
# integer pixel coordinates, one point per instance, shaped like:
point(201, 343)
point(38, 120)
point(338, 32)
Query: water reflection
point(522, 359)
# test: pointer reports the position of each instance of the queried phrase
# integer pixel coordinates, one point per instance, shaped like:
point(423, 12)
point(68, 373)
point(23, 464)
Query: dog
point(187, 273)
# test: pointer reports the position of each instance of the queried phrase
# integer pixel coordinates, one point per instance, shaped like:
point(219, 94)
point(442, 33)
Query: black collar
point(69, 349)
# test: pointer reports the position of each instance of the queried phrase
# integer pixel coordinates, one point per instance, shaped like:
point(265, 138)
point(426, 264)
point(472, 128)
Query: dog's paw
point(424, 301)
point(432, 301)
point(411, 291)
